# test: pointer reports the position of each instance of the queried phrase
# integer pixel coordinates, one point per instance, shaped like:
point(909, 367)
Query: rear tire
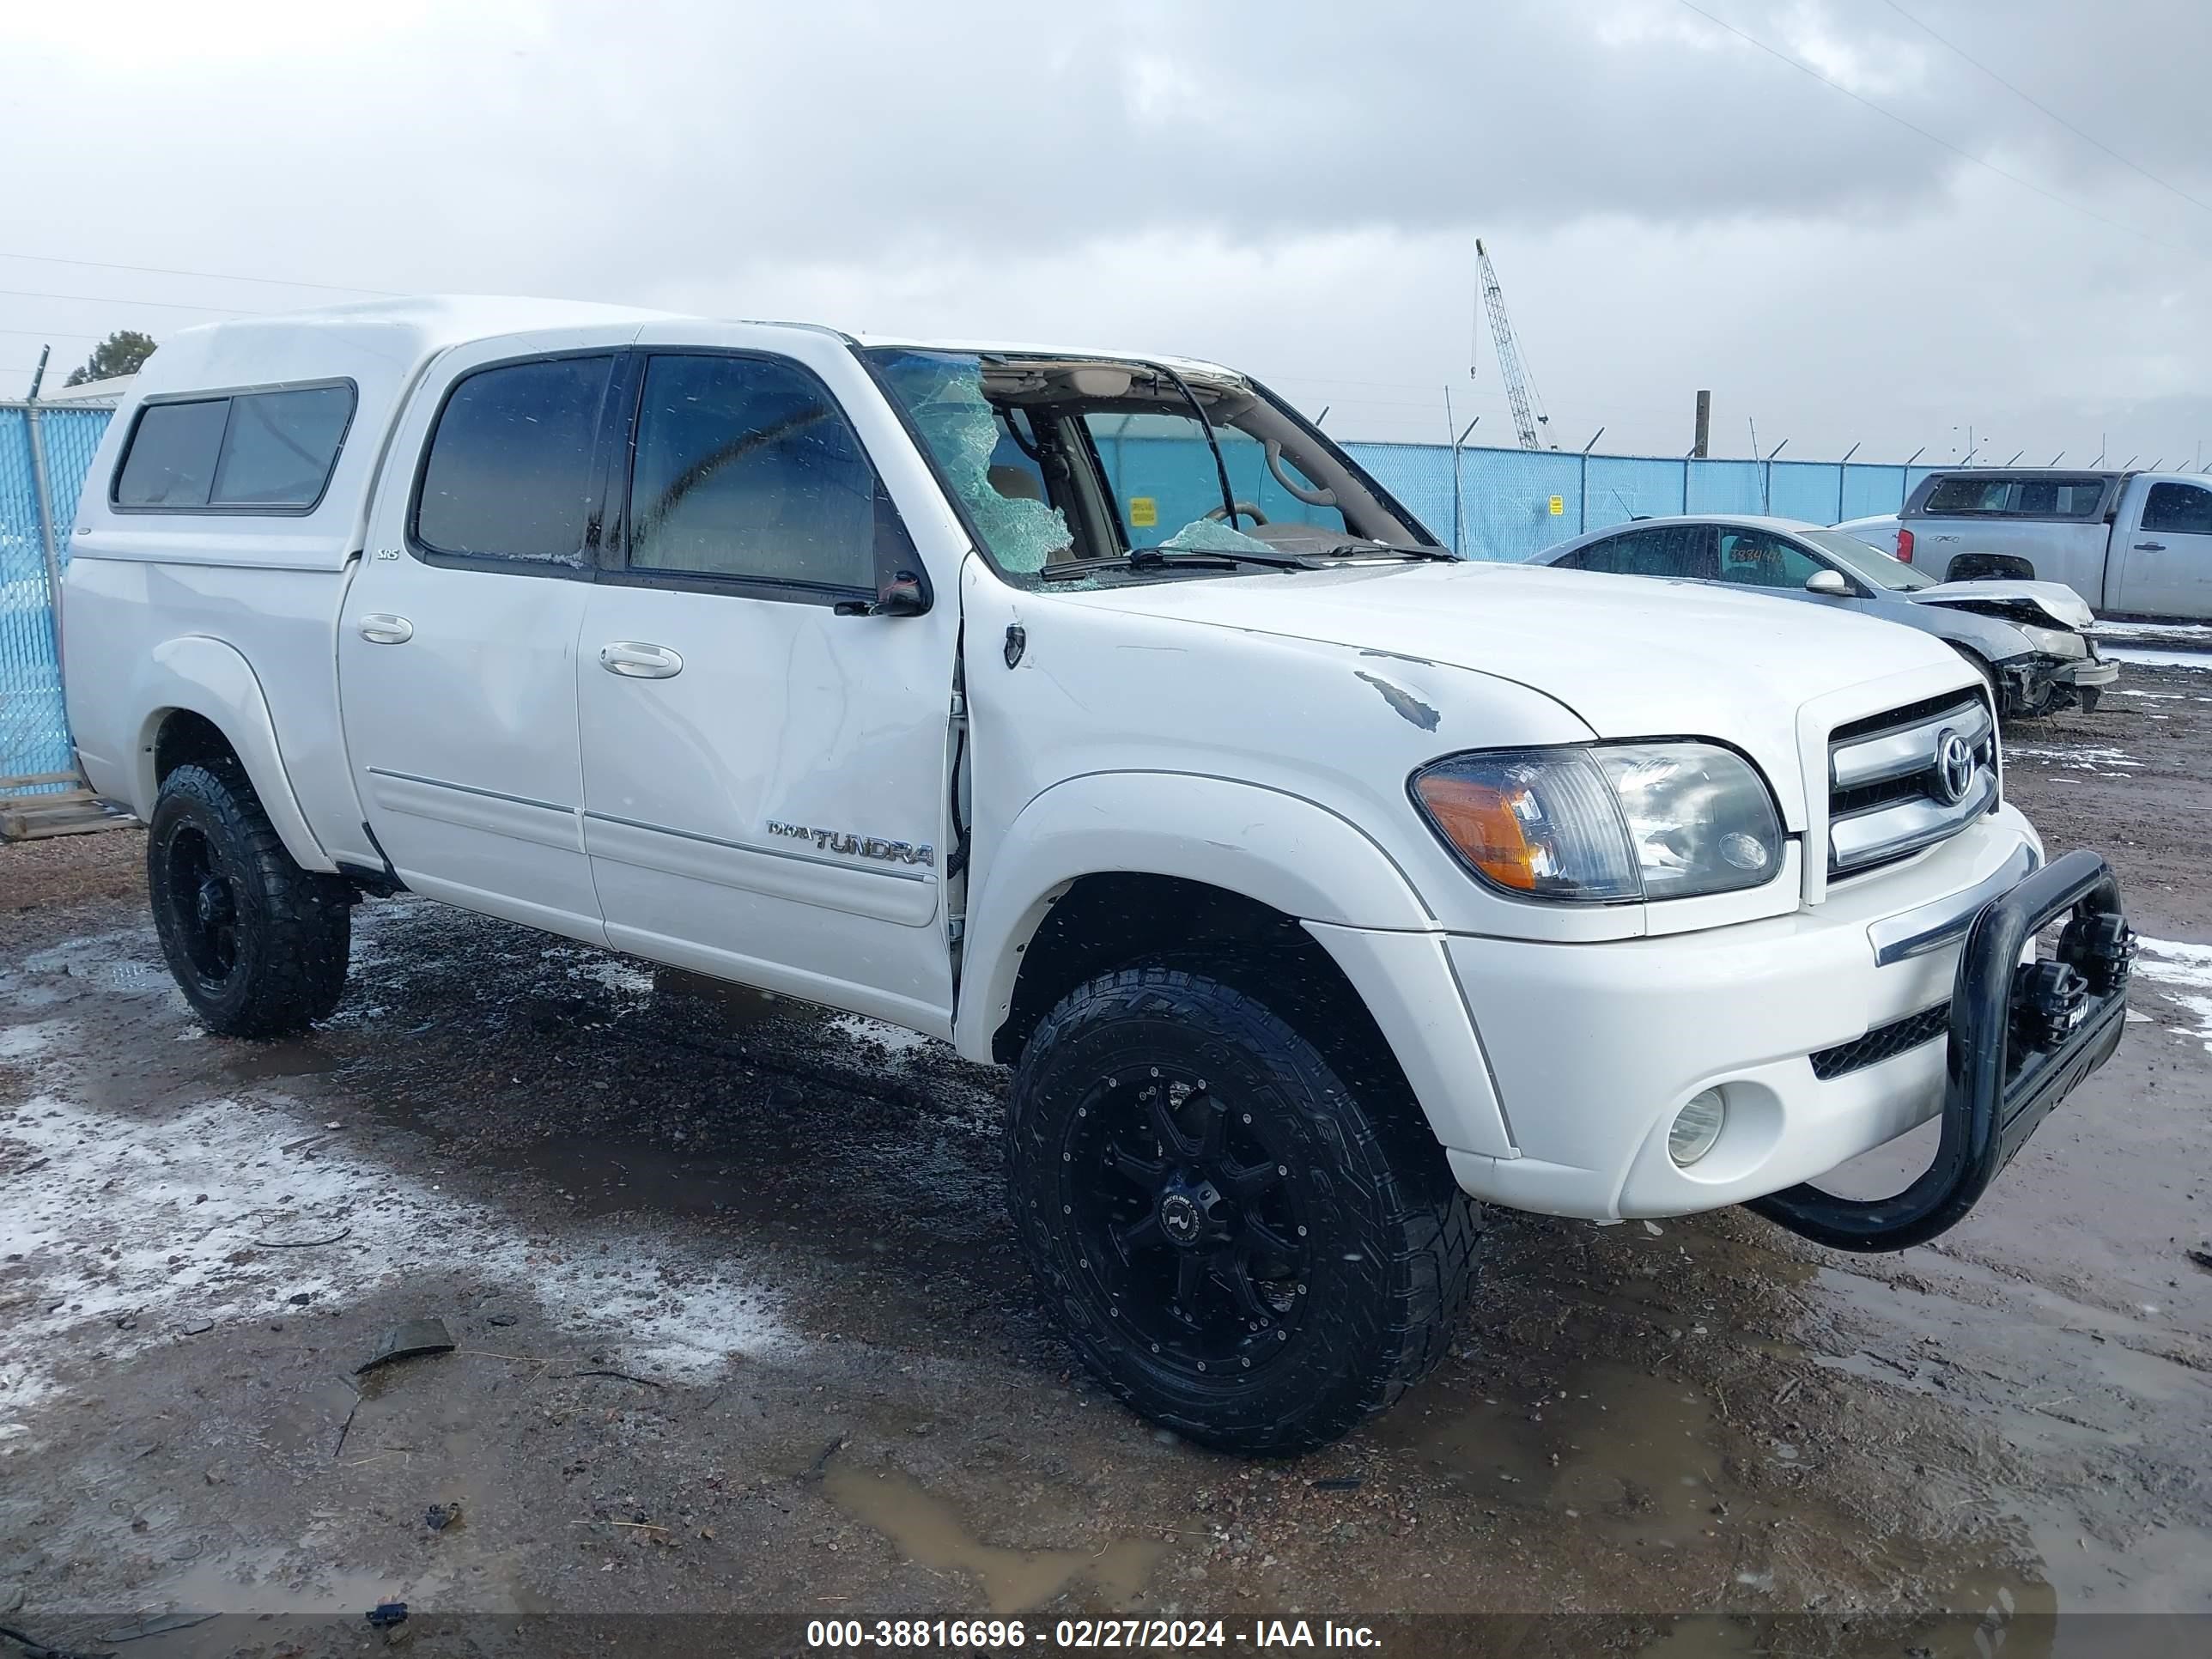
point(258, 945)
point(1250, 1240)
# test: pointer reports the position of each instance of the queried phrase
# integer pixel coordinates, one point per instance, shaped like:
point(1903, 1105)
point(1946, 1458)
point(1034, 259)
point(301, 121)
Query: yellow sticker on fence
point(1558, 507)
point(1143, 512)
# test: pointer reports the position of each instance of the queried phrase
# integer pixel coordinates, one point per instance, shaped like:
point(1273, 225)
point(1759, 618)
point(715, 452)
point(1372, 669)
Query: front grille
point(1889, 793)
point(1883, 1042)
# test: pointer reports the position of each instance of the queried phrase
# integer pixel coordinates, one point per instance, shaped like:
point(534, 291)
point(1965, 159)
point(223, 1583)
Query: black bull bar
point(2021, 1038)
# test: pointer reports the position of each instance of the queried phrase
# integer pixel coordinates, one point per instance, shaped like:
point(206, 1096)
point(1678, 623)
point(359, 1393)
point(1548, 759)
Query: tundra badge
point(853, 846)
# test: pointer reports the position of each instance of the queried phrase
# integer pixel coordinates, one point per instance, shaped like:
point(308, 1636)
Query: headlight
point(1606, 823)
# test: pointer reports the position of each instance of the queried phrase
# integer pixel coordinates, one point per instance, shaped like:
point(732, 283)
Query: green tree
point(120, 353)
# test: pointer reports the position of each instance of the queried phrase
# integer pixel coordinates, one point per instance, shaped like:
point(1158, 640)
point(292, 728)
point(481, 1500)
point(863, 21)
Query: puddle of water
point(310, 1422)
point(604, 1177)
point(252, 1586)
point(737, 1006)
point(1625, 1452)
point(261, 1062)
point(927, 1531)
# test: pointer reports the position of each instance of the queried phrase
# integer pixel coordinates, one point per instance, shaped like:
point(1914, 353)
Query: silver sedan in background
point(2028, 638)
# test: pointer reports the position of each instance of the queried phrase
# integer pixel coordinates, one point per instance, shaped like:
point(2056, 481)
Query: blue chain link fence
point(34, 731)
point(1513, 504)
point(1516, 502)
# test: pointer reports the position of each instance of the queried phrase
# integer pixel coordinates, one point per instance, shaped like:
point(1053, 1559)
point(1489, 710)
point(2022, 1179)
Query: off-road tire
point(1392, 1239)
point(289, 931)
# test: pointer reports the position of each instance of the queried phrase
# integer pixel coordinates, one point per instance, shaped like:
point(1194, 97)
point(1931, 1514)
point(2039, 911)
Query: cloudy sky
point(1293, 187)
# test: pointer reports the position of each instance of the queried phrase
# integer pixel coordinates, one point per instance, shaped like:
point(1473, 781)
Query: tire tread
point(298, 972)
point(1433, 1227)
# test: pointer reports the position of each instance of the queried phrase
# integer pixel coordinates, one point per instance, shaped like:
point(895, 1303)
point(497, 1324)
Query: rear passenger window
point(1966, 496)
point(280, 447)
point(509, 473)
point(252, 450)
point(2179, 509)
point(172, 458)
point(1670, 551)
point(747, 468)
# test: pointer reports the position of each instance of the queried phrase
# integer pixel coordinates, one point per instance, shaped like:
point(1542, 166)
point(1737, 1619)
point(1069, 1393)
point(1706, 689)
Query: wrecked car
point(2029, 639)
point(1094, 712)
point(2130, 543)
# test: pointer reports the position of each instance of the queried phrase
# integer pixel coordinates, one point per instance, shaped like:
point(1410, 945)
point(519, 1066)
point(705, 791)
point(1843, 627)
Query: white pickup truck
point(2131, 544)
point(1094, 712)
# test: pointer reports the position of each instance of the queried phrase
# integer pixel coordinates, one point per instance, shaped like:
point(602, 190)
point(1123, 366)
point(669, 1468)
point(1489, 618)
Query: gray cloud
point(1294, 185)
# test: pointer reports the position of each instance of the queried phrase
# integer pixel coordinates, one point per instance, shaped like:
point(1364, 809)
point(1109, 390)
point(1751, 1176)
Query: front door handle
point(636, 660)
point(2150, 547)
point(382, 627)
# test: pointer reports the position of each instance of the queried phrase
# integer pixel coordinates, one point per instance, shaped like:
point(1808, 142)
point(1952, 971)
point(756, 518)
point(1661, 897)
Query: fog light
point(1697, 1127)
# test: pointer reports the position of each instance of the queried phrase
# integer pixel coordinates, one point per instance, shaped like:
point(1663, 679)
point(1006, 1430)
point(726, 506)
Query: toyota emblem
point(1954, 767)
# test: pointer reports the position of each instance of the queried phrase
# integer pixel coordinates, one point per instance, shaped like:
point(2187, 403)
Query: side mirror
point(1828, 583)
point(901, 586)
point(906, 594)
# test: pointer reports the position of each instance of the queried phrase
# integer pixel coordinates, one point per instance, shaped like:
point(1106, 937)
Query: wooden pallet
point(74, 811)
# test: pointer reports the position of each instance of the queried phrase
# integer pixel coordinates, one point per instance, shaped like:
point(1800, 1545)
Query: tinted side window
point(2180, 509)
point(509, 474)
point(172, 458)
point(1954, 495)
point(746, 467)
point(1755, 559)
point(1668, 551)
point(280, 447)
point(1596, 557)
point(1964, 495)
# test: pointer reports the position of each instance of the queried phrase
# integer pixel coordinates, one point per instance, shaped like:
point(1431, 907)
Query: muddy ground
point(739, 1333)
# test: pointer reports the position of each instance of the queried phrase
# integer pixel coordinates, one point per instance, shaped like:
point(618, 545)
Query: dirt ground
point(741, 1336)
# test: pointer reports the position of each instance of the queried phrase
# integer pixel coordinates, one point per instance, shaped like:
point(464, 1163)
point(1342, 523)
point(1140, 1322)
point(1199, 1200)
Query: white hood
point(1631, 656)
point(2059, 602)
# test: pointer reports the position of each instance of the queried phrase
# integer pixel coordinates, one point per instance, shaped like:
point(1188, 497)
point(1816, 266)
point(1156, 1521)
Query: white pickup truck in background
point(2131, 544)
point(1095, 713)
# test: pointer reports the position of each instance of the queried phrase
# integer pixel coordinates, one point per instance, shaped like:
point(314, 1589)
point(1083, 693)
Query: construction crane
point(1529, 415)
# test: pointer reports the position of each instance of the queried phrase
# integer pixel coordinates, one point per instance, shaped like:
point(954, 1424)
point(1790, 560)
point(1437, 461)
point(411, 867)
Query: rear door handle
point(636, 660)
point(382, 627)
point(2150, 547)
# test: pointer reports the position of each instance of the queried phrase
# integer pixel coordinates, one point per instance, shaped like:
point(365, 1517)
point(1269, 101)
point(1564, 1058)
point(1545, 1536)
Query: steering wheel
point(1244, 510)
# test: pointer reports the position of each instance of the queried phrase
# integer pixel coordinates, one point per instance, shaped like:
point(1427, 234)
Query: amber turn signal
point(1478, 818)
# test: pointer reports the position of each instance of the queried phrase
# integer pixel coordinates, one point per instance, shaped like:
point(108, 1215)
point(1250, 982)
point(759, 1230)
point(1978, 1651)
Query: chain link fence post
point(42, 495)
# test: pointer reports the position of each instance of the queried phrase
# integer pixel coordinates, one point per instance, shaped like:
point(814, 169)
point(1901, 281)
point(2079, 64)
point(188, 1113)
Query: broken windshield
point(1067, 465)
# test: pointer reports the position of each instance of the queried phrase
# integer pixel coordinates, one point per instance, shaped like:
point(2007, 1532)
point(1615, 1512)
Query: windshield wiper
point(1166, 558)
point(1346, 550)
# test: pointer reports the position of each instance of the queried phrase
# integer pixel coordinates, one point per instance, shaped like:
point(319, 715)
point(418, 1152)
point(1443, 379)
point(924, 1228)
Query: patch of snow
point(901, 1042)
point(2150, 658)
point(2102, 759)
point(21, 1042)
point(617, 974)
point(146, 1225)
point(2183, 973)
point(2126, 630)
point(2156, 697)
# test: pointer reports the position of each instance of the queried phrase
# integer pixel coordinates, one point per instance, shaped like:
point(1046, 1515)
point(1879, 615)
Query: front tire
point(257, 946)
point(1250, 1240)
